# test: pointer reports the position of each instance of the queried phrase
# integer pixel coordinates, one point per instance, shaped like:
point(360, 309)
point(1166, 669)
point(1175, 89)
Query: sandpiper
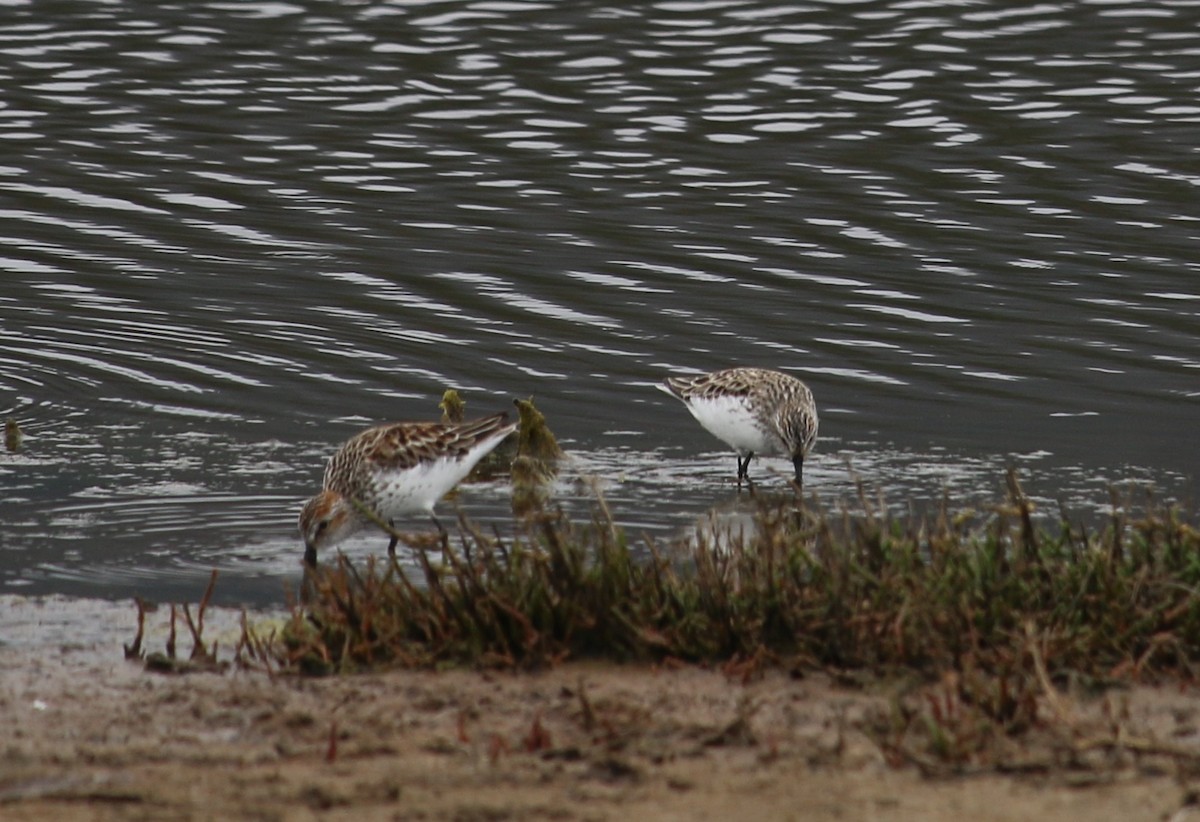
point(753, 410)
point(392, 470)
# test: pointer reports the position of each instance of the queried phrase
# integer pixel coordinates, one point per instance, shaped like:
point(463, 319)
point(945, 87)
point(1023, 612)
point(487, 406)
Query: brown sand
point(89, 735)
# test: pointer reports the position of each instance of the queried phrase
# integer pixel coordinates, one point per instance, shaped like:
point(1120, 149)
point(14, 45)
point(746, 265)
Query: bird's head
point(325, 520)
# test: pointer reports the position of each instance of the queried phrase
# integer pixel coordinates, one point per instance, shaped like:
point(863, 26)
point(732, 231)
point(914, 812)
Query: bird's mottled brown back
point(774, 386)
point(401, 445)
point(730, 382)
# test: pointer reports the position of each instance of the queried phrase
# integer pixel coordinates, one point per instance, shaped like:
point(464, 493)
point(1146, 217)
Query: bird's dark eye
point(322, 525)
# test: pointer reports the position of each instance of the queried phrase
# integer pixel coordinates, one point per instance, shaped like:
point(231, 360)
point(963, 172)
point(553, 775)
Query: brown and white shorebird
point(392, 470)
point(754, 411)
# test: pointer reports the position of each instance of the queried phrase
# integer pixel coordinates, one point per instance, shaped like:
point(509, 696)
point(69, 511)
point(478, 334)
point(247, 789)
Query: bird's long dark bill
point(310, 556)
point(799, 463)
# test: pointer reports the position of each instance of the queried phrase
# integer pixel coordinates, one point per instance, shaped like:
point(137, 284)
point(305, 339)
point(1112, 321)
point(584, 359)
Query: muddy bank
point(92, 736)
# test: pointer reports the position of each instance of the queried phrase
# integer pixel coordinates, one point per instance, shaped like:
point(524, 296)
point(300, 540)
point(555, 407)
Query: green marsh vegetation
point(983, 624)
point(1000, 591)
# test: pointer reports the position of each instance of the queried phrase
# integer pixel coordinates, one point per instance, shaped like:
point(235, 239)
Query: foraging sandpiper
point(753, 410)
point(392, 470)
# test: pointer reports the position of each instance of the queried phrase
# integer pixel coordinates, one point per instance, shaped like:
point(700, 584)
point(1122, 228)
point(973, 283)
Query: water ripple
point(971, 228)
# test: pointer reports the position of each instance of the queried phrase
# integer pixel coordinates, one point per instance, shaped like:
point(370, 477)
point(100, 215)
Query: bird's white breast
point(417, 488)
point(733, 421)
point(420, 487)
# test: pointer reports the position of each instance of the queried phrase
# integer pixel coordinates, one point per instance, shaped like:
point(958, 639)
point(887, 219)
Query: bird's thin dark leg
point(442, 532)
point(744, 469)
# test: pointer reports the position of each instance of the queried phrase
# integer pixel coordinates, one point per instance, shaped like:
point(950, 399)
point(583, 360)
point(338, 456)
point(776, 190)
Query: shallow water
point(235, 234)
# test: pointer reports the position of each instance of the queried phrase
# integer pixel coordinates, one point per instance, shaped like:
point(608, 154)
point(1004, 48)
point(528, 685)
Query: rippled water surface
point(232, 234)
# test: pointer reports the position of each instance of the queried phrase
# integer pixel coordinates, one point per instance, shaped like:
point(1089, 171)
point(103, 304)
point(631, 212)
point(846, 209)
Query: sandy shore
point(93, 736)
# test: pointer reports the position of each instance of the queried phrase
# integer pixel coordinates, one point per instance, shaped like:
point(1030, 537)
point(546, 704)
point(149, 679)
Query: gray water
point(232, 234)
